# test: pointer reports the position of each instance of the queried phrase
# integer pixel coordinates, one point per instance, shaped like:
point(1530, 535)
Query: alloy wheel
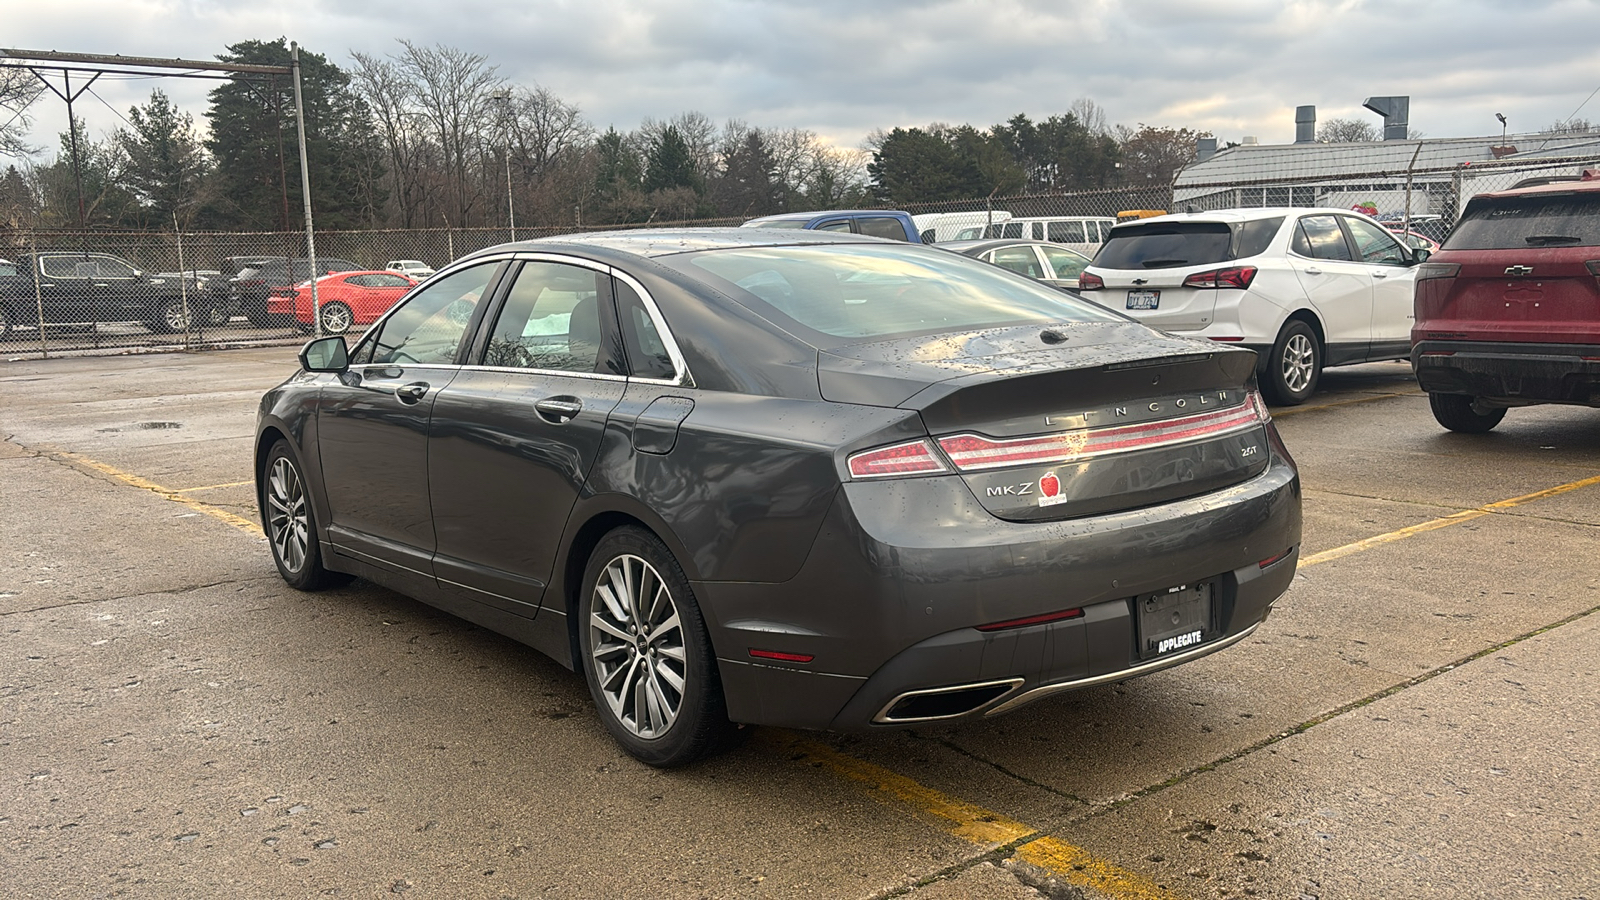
point(336, 318)
point(637, 646)
point(1299, 362)
point(287, 514)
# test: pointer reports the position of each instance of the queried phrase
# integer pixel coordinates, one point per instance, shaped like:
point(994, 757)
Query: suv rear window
point(1535, 220)
point(1172, 244)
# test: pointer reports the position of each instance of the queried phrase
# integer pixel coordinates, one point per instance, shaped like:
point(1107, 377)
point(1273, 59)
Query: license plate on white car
point(1144, 299)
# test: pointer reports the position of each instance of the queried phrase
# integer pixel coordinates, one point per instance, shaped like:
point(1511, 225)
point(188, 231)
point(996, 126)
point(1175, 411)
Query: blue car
point(884, 223)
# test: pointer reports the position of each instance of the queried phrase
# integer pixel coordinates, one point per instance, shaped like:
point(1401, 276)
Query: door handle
point(411, 393)
point(558, 410)
point(1313, 270)
point(1380, 274)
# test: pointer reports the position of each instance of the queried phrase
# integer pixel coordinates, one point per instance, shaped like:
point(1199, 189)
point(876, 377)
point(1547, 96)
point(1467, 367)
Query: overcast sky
point(845, 67)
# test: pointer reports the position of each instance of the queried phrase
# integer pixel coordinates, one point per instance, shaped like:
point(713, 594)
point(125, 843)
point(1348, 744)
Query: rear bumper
point(903, 572)
point(1510, 374)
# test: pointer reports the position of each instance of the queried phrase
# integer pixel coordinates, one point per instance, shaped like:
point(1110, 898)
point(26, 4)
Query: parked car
point(8, 269)
point(222, 293)
point(884, 223)
point(1416, 240)
point(1052, 264)
point(252, 286)
point(936, 228)
point(785, 477)
point(74, 287)
point(1508, 310)
point(1084, 234)
point(346, 299)
point(414, 268)
point(1303, 287)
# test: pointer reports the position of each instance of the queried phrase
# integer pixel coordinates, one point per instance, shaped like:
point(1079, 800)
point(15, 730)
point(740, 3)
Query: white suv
point(1305, 287)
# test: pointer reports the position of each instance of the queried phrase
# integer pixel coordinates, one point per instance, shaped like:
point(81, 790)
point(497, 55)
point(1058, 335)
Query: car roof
point(808, 216)
point(1588, 183)
point(1242, 215)
point(653, 242)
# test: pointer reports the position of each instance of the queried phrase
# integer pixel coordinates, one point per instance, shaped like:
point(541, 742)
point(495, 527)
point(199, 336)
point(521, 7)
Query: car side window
point(1067, 265)
point(1375, 243)
point(882, 226)
point(109, 267)
point(1018, 259)
point(1066, 232)
point(1320, 237)
point(385, 281)
point(550, 320)
point(647, 352)
point(1009, 229)
point(427, 328)
point(65, 267)
point(840, 225)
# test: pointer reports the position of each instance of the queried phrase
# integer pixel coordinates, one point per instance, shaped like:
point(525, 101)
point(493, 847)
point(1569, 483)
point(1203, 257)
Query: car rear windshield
point(864, 291)
point(1170, 245)
point(1533, 220)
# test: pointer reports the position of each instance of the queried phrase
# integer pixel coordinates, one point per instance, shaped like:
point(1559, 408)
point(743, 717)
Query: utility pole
point(503, 96)
point(305, 188)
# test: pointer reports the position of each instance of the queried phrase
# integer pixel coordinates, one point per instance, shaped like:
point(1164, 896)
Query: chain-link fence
point(75, 291)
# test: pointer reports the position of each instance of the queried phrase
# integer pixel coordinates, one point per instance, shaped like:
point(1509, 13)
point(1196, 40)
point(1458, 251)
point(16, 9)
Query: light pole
point(503, 97)
point(1502, 119)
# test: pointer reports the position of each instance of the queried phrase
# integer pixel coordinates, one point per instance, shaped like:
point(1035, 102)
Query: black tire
point(170, 317)
point(1293, 366)
point(631, 675)
point(291, 523)
point(1455, 412)
point(336, 318)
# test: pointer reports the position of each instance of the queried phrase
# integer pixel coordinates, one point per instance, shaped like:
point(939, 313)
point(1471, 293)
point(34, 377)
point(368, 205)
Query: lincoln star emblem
point(1519, 270)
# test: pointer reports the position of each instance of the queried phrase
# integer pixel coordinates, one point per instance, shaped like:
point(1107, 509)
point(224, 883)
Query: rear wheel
point(291, 524)
point(336, 318)
point(1294, 364)
point(171, 317)
point(1456, 412)
point(647, 655)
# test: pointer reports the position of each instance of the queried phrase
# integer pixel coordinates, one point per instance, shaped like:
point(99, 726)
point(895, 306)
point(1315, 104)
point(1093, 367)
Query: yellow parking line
point(1443, 522)
point(980, 826)
point(213, 487)
point(215, 512)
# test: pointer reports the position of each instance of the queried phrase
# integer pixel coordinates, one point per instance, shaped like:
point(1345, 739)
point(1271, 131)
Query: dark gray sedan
point(789, 478)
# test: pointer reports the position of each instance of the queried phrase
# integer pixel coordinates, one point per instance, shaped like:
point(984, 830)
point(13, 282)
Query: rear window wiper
point(1551, 239)
point(1164, 263)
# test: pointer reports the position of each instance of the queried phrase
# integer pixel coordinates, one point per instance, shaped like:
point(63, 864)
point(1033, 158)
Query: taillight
point(899, 460)
point(1088, 281)
point(973, 452)
point(1439, 270)
point(1233, 277)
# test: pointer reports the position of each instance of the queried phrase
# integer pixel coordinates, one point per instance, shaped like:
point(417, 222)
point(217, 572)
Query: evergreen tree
point(669, 164)
point(166, 165)
point(748, 185)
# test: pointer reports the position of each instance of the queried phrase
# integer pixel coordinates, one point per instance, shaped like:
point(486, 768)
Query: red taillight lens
point(1088, 281)
point(1273, 560)
point(1033, 620)
point(1438, 270)
point(1234, 277)
point(911, 458)
point(972, 452)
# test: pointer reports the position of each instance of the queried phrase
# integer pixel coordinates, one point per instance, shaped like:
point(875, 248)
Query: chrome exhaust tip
point(933, 704)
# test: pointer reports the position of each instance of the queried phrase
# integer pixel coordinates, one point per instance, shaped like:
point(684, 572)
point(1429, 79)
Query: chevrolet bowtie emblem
point(1519, 270)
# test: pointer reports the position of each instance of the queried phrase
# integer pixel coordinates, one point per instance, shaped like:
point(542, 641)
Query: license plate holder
point(1144, 299)
point(1175, 619)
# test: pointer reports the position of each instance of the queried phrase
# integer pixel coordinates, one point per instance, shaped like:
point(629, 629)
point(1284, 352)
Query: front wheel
point(1456, 412)
point(647, 655)
point(291, 525)
point(1294, 365)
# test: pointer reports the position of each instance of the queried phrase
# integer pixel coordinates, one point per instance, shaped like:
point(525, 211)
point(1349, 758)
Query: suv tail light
point(896, 461)
point(1088, 281)
point(1232, 277)
point(1438, 270)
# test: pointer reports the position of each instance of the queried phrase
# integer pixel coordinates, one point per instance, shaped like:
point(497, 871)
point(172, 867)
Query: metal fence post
point(38, 294)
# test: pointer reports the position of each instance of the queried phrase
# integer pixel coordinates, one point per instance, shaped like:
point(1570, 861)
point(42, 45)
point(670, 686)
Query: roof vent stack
point(1396, 112)
point(1205, 148)
point(1305, 124)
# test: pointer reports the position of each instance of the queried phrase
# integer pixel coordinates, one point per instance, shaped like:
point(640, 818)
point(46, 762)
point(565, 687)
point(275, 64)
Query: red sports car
point(347, 298)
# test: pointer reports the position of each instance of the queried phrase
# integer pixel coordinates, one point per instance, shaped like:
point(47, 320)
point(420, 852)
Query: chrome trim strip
point(1121, 674)
point(882, 718)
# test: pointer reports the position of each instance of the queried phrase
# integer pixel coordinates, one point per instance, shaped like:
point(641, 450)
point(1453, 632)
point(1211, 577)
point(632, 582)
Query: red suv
point(1508, 310)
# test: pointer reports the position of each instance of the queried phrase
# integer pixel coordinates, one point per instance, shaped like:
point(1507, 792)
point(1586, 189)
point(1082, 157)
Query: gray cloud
point(845, 67)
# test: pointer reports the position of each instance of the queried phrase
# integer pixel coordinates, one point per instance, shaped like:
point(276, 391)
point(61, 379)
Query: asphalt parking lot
point(1415, 720)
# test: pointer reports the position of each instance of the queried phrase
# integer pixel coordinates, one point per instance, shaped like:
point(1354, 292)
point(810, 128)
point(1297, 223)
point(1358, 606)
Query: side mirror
point(1421, 254)
point(325, 354)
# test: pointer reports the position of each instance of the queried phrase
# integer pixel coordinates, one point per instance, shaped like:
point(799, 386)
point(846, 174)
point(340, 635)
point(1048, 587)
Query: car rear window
point(1534, 220)
point(864, 291)
point(1167, 245)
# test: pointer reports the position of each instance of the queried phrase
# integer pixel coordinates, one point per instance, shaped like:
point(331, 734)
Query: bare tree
point(1347, 131)
point(388, 93)
point(18, 90)
point(1090, 115)
point(545, 128)
point(452, 89)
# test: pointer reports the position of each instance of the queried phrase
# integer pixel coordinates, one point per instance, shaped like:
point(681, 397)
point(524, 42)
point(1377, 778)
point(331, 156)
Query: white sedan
point(1304, 287)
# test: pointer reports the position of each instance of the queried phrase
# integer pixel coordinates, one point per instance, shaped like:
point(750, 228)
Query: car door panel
point(1393, 284)
point(1337, 285)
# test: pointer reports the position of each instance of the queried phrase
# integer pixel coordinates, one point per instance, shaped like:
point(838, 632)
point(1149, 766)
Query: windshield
point(1170, 245)
point(1533, 220)
point(867, 291)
